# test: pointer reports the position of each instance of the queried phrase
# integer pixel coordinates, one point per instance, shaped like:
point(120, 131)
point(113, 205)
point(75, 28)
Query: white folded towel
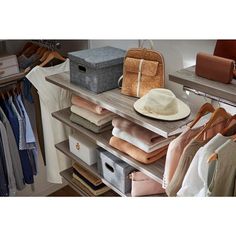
point(159, 142)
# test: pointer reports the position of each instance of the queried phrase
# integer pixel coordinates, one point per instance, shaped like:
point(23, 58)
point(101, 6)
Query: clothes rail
point(218, 99)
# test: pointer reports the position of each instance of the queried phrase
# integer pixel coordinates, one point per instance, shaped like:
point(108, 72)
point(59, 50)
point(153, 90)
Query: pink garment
point(176, 147)
point(146, 136)
point(83, 103)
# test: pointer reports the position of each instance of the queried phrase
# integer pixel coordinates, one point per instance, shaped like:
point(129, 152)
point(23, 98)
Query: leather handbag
point(143, 70)
point(143, 185)
point(214, 68)
point(226, 49)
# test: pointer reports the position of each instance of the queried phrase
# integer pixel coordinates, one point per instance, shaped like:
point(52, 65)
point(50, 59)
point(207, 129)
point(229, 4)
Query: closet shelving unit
point(4, 81)
point(121, 105)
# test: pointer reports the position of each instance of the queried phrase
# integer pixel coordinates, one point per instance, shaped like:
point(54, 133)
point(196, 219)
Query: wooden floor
point(65, 192)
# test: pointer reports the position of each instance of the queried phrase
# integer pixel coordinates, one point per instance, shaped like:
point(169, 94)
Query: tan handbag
point(143, 70)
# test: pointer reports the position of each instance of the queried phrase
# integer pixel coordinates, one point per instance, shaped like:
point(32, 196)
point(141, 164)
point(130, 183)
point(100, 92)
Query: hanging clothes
point(223, 182)
point(8, 107)
point(195, 180)
point(10, 173)
point(52, 98)
point(16, 163)
point(187, 156)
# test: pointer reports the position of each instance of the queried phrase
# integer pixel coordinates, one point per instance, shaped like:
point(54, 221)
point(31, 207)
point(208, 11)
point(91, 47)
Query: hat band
point(139, 77)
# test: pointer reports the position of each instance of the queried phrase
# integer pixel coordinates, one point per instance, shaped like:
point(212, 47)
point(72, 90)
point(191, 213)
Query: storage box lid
point(98, 57)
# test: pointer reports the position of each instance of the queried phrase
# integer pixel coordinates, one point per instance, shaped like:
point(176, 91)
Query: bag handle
point(120, 82)
point(141, 43)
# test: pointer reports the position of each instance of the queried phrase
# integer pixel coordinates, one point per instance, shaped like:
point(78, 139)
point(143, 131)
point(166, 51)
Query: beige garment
point(224, 176)
point(174, 152)
point(93, 117)
point(187, 157)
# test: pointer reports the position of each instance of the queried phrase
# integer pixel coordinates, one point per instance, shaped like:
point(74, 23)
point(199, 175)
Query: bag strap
point(141, 43)
point(139, 77)
point(119, 81)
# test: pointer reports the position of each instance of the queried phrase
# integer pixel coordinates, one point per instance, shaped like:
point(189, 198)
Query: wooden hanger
point(43, 51)
point(51, 56)
point(206, 108)
point(228, 126)
point(31, 51)
point(27, 45)
point(214, 156)
point(45, 55)
point(218, 113)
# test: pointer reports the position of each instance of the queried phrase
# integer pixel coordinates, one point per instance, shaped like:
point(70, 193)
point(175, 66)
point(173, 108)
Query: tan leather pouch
point(214, 68)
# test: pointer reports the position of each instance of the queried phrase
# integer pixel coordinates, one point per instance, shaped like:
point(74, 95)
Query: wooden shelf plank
point(154, 170)
point(78, 187)
point(188, 78)
point(11, 78)
point(122, 105)
point(64, 148)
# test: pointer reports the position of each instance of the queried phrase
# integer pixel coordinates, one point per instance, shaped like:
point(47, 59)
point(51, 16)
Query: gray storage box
point(114, 170)
point(97, 69)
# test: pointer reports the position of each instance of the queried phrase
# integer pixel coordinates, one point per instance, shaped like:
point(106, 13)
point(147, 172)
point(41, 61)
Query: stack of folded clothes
point(89, 180)
point(90, 115)
point(141, 144)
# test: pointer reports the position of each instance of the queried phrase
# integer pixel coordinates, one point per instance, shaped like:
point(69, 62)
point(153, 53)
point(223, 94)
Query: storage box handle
point(2, 72)
point(82, 68)
point(1, 63)
point(110, 168)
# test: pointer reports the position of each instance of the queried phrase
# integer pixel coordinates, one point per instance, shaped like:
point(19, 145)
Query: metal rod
point(209, 96)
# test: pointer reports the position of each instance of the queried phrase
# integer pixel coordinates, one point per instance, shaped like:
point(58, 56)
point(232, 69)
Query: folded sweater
point(92, 117)
point(83, 103)
point(136, 153)
point(144, 135)
point(89, 125)
point(159, 142)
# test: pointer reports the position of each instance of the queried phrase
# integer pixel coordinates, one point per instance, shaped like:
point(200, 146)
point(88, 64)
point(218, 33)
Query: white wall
point(177, 54)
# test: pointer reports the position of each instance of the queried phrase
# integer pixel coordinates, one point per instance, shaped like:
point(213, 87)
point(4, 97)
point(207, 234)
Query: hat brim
point(183, 111)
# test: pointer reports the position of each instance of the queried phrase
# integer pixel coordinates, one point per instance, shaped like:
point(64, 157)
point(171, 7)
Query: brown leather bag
point(226, 49)
point(143, 70)
point(214, 68)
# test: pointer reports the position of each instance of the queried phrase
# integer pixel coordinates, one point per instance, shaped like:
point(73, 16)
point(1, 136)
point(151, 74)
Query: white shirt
point(52, 98)
point(195, 180)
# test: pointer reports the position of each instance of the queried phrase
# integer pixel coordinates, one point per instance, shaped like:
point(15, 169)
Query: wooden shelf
point(64, 148)
point(12, 78)
point(188, 78)
point(154, 170)
point(79, 188)
point(122, 105)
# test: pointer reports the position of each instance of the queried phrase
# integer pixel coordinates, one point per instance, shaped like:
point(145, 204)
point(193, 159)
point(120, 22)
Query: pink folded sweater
point(136, 153)
point(83, 103)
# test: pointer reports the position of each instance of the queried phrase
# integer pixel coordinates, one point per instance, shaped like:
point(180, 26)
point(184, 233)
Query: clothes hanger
point(27, 45)
point(205, 108)
point(31, 51)
point(45, 55)
point(214, 156)
point(51, 56)
point(43, 51)
point(228, 126)
point(218, 113)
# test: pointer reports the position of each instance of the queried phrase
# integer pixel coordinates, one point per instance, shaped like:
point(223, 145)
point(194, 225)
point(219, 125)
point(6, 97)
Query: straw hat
point(162, 104)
